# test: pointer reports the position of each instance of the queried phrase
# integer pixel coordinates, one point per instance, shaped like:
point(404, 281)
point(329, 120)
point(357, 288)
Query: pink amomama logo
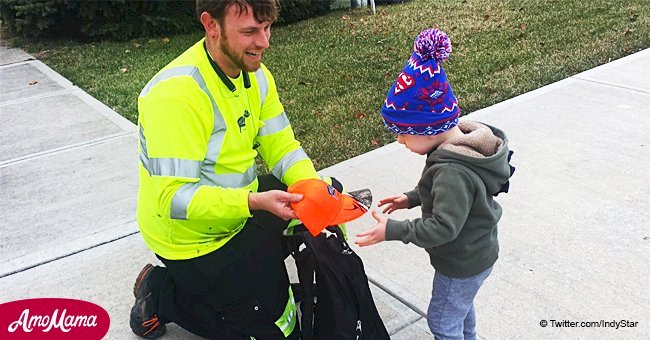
point(53, 318)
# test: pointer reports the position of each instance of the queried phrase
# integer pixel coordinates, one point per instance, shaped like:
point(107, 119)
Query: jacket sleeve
point(174, 137)
point(452, 191)
point(414, 198)
point(277, 144)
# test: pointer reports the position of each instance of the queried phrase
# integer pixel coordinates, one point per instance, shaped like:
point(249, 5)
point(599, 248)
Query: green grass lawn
point(333, 71)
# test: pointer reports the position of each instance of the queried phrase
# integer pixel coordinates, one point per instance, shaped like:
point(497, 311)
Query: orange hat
point(323, 206)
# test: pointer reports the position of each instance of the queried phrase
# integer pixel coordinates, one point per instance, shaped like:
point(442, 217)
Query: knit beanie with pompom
point(420, 101)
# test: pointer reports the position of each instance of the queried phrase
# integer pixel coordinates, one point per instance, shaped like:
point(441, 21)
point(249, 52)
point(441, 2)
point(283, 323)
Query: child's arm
point(414, 198)
point(453, 195)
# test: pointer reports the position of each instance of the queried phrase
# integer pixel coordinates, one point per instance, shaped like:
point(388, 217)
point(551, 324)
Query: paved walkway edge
point(122, 228)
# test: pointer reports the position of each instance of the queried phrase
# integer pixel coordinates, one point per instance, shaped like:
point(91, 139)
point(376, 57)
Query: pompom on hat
point(420, 101)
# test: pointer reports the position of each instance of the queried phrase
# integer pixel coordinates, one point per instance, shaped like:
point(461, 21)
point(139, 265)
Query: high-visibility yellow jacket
point(198, 143)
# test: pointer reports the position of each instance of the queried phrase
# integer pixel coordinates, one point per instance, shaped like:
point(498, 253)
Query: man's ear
point(211, 26)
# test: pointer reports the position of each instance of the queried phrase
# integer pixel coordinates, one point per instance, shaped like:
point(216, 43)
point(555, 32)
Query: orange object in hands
point(322, 205)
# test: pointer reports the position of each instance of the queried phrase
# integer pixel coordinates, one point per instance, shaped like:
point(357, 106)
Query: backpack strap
point(301, 250)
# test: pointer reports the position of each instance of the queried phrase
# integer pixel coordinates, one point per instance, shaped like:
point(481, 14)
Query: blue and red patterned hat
point(420, 101)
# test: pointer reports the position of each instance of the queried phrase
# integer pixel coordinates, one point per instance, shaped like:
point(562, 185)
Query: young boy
point(467, 164)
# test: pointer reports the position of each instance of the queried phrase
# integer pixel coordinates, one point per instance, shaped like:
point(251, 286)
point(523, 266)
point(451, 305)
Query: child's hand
point(375, 234)
point(394, 203)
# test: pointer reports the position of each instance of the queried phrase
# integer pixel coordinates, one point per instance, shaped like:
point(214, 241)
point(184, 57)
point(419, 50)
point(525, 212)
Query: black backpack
point(339, 304)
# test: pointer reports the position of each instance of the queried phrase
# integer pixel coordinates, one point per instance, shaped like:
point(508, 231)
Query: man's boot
point(144, 313)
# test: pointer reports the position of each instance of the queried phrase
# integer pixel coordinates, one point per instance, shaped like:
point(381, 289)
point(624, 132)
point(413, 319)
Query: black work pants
point(236, 291)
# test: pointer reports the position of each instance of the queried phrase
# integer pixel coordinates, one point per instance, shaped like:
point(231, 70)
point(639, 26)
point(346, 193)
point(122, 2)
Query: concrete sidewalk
point(575, 235)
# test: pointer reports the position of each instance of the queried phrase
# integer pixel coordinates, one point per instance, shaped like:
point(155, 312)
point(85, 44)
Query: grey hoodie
point(458, 227)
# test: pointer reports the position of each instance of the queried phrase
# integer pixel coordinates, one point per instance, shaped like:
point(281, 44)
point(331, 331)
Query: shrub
point(122, 19)
point(295, 10)
point(119, 19)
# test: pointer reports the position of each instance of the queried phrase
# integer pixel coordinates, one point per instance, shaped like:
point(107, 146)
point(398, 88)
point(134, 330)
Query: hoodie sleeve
point(414, 198)
point(453, 194)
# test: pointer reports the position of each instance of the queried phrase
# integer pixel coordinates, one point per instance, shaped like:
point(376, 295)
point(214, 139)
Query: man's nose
point(263, 39)
point(400, 139)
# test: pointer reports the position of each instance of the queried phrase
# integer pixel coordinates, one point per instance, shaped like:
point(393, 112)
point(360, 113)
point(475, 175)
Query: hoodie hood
point(482, 148)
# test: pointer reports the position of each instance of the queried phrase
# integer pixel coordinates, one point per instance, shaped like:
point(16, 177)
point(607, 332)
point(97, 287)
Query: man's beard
point(235, 59)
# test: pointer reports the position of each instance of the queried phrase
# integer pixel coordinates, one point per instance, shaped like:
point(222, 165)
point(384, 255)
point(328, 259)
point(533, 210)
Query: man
point(201, 206)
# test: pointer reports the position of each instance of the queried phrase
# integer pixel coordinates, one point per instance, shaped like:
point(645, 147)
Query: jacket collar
point(224, 78)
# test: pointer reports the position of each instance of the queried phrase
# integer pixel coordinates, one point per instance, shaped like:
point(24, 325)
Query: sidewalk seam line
point(48, 72)
point(62, 149)
point(612, 85)
point(17, 62)
point(408, 324)
point(66, 255)
point(40, 96)
point(397, 297)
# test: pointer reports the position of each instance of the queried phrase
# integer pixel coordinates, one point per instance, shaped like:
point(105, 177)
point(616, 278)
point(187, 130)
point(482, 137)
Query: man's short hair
point(263, 10)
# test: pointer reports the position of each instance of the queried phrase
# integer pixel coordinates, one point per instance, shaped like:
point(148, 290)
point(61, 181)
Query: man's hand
point(375, 234)
point(394, 203)
point(276, 202)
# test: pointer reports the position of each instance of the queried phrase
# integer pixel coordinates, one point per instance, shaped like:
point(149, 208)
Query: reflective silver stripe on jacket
point(184, 194)
point(172, 167)
point(144, 156)
point(175, 167)
point(287, 161)
point(275, 124)
point(181, 200)
point(263, 84)
point(168, 74)
point(231, 180)
point(204, 171)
